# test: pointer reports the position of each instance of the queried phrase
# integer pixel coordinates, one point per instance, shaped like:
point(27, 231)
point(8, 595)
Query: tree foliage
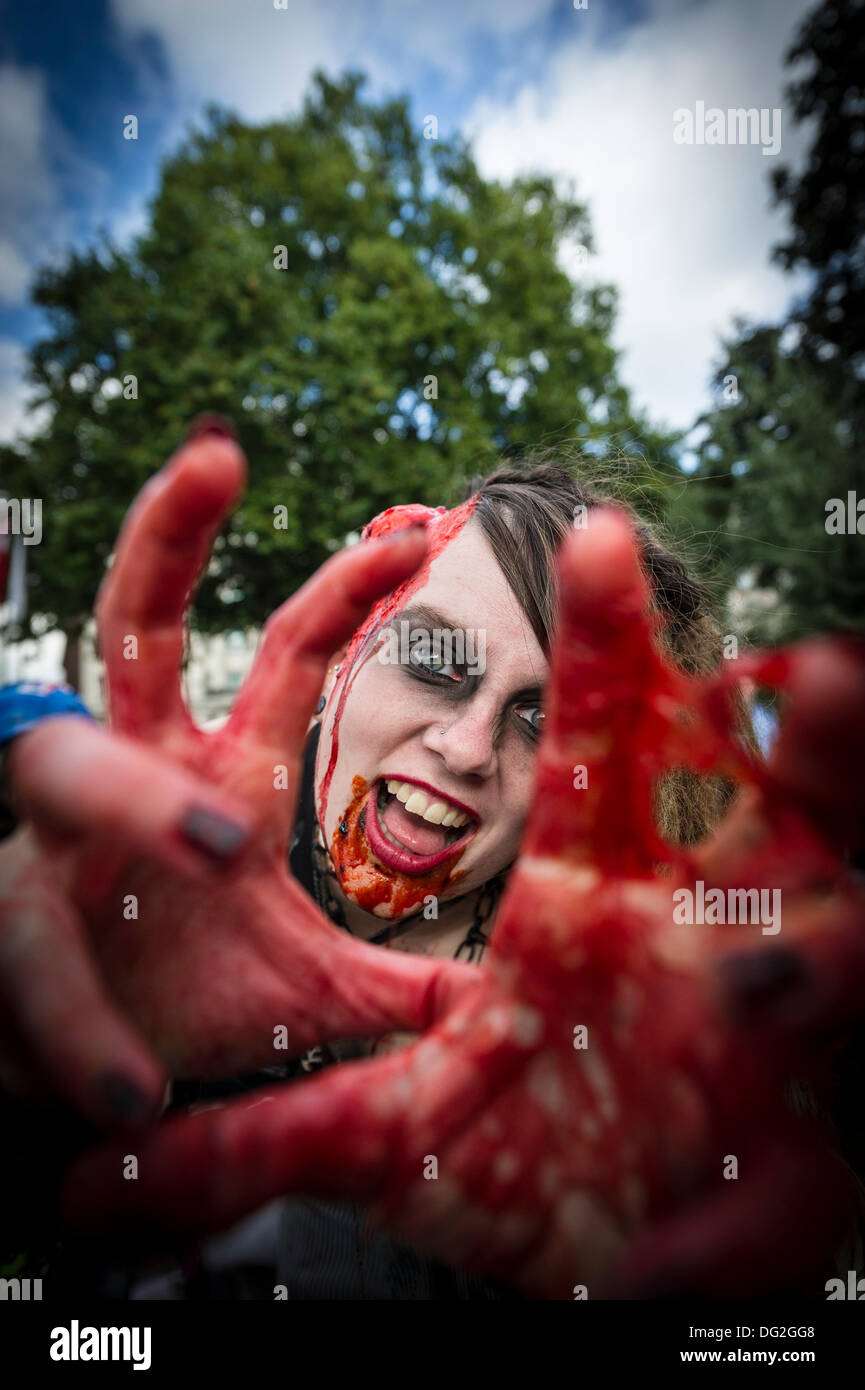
point(788, 432)
point(379, 321)
point(826, 200)
point(771, 461)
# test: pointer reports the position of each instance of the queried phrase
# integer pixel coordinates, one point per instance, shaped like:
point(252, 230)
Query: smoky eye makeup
point(530, 713)
point(428, 663)
point(427, 659)
point(429, 649)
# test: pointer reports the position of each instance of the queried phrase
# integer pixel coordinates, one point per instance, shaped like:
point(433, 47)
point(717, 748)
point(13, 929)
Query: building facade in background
point(215, 670)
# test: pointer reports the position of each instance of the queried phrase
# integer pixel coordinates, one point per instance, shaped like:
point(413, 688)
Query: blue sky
point(587, 95)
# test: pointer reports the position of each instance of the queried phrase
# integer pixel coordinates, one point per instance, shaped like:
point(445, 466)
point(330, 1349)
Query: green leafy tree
point(788, 432)
point(379, 320)
point(775, 453)
point(826, 198)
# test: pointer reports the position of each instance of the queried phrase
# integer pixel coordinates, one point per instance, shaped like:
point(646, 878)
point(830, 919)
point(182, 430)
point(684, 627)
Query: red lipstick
point(403, 861)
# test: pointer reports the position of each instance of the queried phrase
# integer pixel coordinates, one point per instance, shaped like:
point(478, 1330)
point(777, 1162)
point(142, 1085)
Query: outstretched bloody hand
point(606, 1108)
point(147, 917)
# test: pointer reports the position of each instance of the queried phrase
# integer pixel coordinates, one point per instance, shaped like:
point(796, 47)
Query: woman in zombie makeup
point(423, 769)
point(412, 740)
point(424, 785)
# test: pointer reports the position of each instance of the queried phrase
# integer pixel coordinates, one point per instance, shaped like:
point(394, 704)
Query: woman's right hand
point(148, 921)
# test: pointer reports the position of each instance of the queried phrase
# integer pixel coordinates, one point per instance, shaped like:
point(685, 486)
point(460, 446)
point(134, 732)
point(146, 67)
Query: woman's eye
point(533, 715)
point(429, 657)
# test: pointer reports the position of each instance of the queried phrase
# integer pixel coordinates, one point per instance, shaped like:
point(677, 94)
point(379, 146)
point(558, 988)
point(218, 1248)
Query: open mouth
point(413, 828)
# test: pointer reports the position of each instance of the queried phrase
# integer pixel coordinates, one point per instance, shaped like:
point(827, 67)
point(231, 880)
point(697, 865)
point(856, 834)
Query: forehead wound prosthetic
point(384, 891)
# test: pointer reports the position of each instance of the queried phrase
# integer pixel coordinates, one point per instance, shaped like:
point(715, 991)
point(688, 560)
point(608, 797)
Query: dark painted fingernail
point(215, 836)
point(758, 982)
point(321, 704)
point(210, 424)
point(124, 1102)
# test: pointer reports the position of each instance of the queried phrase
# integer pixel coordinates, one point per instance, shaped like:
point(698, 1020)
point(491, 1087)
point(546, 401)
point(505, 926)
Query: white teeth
point(419, 804)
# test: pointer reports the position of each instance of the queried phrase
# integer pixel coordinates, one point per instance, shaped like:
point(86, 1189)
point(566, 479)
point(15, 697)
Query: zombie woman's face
point(425, 760)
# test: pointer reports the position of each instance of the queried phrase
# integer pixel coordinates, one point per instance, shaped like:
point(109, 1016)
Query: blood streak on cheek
point(370, 884)
point(442, 527)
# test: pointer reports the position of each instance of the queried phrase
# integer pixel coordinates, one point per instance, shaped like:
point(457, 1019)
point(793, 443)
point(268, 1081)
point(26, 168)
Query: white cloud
point(15, 417)
point(26, 184)
point(247, 56)
point(258, 60)
point(130, 221)
point(441, 33)
point(40, 166)
point(29, 199)
point(29, 207)
point(685, 232)
point(14, 273)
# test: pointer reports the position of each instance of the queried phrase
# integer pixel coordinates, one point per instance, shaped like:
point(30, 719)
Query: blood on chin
point(372, 886)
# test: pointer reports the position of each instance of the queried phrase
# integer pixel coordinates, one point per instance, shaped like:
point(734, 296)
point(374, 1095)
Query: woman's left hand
point(604, 1115)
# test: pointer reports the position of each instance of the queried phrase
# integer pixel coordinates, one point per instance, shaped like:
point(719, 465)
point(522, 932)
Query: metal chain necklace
point(471, 948)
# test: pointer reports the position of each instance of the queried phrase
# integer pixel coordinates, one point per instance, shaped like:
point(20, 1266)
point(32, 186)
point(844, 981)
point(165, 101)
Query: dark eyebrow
point(529, 692)
point(421, 616)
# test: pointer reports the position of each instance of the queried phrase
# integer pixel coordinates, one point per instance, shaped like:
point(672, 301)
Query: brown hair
point(525, 512)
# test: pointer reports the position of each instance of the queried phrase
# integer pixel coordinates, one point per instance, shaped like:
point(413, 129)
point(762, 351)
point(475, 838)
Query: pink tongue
point(418, 835)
